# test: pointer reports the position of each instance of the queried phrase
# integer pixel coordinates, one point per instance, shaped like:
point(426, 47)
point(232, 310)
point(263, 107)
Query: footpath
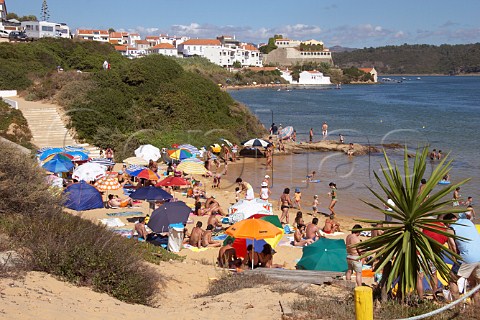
point(47, 127)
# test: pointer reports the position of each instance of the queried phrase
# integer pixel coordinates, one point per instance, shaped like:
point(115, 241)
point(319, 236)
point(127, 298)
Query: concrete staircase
point(48, 129)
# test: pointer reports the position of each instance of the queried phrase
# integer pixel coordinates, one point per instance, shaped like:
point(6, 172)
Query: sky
point(347, 23)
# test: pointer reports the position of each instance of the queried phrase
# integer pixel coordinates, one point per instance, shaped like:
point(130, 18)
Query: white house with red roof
point(166, 49)
point(133, 38)
point(372, 71)
point(93, 34)
point(118, 38)
point(127, 51)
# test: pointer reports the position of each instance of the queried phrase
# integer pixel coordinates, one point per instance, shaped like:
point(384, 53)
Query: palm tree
point(403, 243)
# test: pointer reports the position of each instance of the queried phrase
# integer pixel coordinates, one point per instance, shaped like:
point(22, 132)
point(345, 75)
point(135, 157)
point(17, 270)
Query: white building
point(133, 38)
point(164, 48)
point(197, 47)
point(307, 78)
point(287, 43)
point(118, 38)
point(127, 51)
point(93, 35)
point(3, 11)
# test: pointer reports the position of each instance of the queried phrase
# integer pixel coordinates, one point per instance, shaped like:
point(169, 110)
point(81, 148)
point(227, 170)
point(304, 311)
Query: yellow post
point(363, 303)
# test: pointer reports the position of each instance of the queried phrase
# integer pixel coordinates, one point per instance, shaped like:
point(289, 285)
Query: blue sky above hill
point(349, 23)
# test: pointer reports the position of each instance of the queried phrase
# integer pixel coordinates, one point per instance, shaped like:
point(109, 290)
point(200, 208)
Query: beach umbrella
point(133, 170)
point(147, 174)
point(50, 157)
point(107, 183)
point(196, 160)
point(77, 155)
point(227, 142)
point(151, 193)
point(49, 151)
point(75, 148)
point(148, 152)
point(136, 161)
point(103, 161)
point(169, 213)
point(58, 163)
point(89, 171)
point(216, 148)
point(253, 229)
point(179, 154)
point(285, 133)
point(172, 181)
point(192, 168)
point(82, 196)
point(193, 150)
point(244, 209)
point(324, 255)
point(255, 143)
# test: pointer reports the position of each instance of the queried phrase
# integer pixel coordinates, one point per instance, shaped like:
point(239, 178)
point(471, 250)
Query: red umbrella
point(172, 182)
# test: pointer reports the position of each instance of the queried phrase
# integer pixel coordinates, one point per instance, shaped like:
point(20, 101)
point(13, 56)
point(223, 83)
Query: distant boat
point(418, 78)
point(403, 78)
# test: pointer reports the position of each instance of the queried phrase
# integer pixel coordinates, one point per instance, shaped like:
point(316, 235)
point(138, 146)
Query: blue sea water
point(443, 112)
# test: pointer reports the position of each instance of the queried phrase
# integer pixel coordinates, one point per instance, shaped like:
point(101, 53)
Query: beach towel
point(125, 214)
point(194, 249)
point(220, 237)
point(112, 222)
point(331, 234)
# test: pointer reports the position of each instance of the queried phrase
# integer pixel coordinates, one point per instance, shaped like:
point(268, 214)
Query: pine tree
point(45, 14)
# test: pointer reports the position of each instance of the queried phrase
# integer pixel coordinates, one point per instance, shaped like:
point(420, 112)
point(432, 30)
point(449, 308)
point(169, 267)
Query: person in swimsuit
point(333, 195)
point(298, 198)
point(252, 256)
point(315, 205)
point(247, 188)
point(353, 255)
point(312, 231)
point(264, 191)
point(285, 203)
point(299, 219)
point(299, 237)
point(331, 226)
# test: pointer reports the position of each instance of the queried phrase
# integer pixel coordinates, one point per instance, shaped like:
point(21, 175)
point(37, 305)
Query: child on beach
point(315, 205)
point(333, 195)
point(298, 197)
point(311, 176)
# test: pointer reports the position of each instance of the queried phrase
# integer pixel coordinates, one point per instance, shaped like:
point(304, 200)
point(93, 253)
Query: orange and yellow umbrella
point(253, 229)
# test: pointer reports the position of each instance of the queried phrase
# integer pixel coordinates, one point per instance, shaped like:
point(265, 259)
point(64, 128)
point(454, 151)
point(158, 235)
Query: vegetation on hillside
point(150, 100)
point(414, 59)
point(13, 126)
point(70, 247)
point(270, 46)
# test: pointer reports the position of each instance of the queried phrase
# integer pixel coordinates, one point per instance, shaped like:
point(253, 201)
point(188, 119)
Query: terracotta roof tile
point(142, 42)
point(92, 31)
point(250, 47)
point(164, 46)
point(366, 70)
point(121, 48)
point(203, 42)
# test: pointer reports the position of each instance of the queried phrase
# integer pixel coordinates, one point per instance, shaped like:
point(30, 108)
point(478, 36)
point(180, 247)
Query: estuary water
point(442, 112)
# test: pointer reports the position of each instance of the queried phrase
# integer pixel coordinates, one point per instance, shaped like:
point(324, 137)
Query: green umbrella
point(324, 255)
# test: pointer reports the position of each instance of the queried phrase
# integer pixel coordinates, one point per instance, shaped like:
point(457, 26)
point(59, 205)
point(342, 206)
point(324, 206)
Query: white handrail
point(448, 306)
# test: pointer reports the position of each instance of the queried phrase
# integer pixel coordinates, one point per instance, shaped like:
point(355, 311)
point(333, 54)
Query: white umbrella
point(256, 143)
point(89, 171)
point(148, 152)
point(244, 209)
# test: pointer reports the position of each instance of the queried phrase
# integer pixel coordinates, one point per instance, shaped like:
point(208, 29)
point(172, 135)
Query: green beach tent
point(324, 255)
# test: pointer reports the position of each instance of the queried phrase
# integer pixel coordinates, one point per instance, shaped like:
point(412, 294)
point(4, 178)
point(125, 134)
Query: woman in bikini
point(285, 204)
point(333, 195)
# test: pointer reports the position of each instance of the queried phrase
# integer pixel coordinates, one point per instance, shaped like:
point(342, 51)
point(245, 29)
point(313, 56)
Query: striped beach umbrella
point(58, 163)
point(77, 155)
point(48, 152)
point(196, 160)
point(107, 183)
point(285, 133)
point(179, 154)
point(255, 143)
point(136, 161)
point(75, 148)
point(193, 150)
point(103, 161)
point(192, 168)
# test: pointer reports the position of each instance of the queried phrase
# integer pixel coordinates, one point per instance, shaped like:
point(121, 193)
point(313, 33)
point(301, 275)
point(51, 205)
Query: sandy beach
point(41, 296)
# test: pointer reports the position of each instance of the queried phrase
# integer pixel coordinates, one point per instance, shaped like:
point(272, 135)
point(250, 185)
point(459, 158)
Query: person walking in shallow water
point(311, 135)
point(324, 130)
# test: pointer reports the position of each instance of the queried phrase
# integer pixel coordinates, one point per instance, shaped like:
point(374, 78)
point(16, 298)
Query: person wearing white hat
point(265, 191)
point(266, 179)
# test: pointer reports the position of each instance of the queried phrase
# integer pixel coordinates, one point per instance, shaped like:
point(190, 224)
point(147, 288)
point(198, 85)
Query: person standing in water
point(324, 130)
point(333, 195)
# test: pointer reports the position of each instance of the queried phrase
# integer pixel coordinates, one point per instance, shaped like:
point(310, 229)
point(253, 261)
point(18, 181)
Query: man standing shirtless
point(353, 255)
point(324, 130)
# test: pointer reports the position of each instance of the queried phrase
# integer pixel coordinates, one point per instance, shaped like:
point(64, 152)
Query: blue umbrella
point(42, 156)
point(133, 170)
point(169, 213)
point(151, 193)
point(78, 155)
point(255, 143)
point(59, 163)
point(74, 148)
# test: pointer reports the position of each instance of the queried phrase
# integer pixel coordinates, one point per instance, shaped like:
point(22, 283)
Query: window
point(47, 28)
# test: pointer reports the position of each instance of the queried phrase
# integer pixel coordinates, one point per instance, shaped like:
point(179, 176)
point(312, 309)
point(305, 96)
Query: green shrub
point(68, 246)
point(13, 126)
